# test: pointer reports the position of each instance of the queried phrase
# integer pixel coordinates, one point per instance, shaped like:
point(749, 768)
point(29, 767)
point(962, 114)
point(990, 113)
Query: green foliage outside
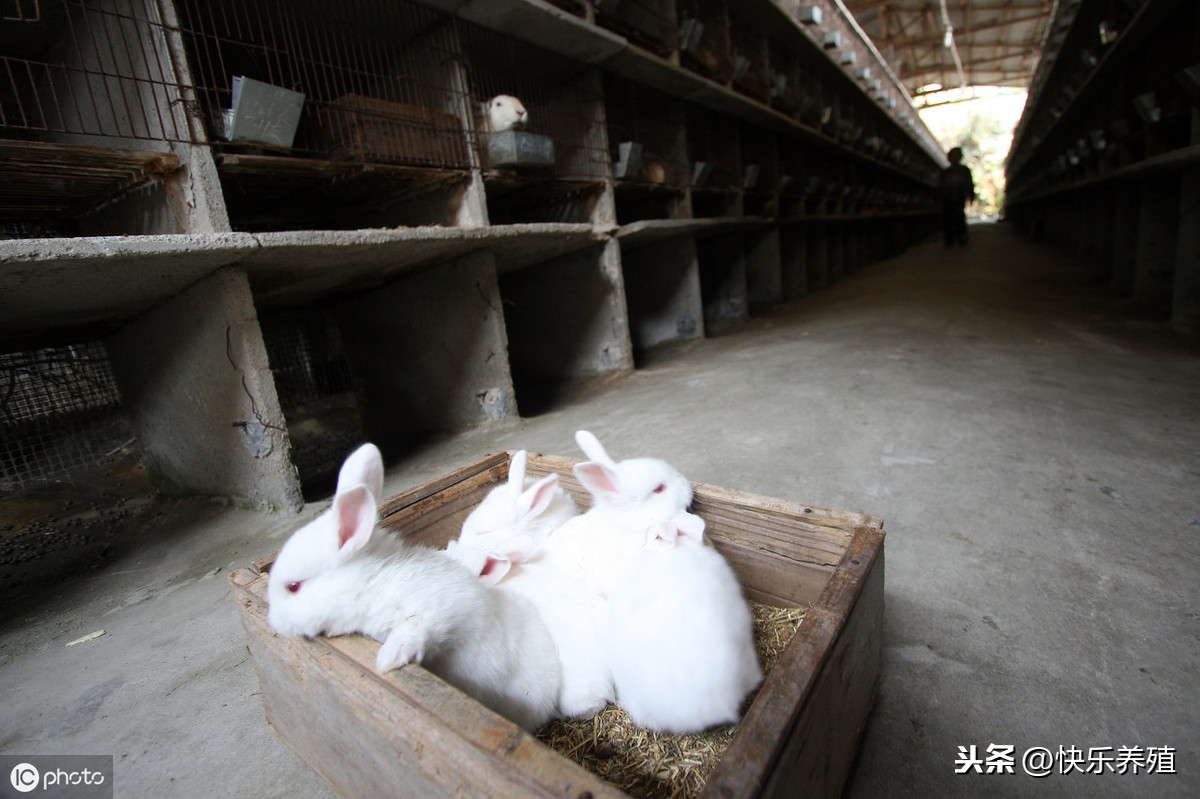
point(983, 128)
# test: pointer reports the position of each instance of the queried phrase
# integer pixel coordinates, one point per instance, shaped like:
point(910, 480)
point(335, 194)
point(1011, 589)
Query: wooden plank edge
point(753, 755)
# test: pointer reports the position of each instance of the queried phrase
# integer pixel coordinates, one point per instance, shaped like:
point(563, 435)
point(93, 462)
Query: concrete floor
point(1032, 443)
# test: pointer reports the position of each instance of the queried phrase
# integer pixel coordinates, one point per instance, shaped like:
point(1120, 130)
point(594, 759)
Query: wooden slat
point(39, 179)
point(802, 730)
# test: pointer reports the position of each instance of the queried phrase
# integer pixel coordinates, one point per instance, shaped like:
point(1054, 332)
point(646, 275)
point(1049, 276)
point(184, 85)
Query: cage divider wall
point(429, 351)
point(648, 146)
point(341, 111)
point(93, 126)
point(714, 163)
point(565, 320)
point(197, 383)
point(662, 293)
point(646, 23)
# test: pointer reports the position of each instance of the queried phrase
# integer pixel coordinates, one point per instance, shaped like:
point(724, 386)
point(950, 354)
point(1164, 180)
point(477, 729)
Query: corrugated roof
point(997, 42)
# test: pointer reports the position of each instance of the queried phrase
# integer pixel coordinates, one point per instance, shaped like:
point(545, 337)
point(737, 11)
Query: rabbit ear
point(592, 447)
point(599, 479)
point(689, 525)
point(531, 503)
point(662, 536)
point(494, 570)
point(516, 474)
point(499, 561)
point(355, 513)
point(363, 467)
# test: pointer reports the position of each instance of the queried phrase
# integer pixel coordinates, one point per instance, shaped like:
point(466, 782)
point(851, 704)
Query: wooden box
point(358, 128)
point(408, 733)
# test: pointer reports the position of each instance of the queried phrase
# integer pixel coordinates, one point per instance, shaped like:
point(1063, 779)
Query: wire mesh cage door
point(89, 107)
point(376, 81)
point(89, 72)
point(60, 413)
point(317, 392)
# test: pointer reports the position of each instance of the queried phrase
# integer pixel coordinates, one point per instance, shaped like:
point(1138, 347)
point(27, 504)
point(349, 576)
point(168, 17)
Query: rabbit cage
point(407, 728)
point(557, 172)
point(329, 115)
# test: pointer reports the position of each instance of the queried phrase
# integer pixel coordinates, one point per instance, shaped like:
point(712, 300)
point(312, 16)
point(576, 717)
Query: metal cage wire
point(60, 411)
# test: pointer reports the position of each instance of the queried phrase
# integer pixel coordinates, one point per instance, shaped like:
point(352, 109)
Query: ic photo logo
point(25, 777)
point(57, 776)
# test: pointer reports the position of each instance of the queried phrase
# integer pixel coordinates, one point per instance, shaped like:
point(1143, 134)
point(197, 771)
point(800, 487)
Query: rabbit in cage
point(505, 112)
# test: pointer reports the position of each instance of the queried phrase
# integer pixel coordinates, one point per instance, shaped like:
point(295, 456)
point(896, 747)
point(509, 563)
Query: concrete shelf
point(385, 239)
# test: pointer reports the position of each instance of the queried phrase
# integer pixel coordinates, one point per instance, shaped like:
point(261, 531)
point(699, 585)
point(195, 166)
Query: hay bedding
point(652, 765)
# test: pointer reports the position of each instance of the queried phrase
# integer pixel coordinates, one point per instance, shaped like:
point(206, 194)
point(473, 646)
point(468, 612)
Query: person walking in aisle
point(956, 188)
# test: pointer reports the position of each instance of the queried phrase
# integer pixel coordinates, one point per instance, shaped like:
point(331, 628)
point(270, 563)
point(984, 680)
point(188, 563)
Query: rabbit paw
point(404, 645)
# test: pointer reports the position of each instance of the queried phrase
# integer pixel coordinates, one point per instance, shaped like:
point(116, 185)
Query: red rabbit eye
point(661, 488)
point(292, 587)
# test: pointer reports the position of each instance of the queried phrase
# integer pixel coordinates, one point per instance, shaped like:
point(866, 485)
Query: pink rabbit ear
point(494, 570)
point(356, 516)
point(599, 479)
point(663, 535)
point(537, 498)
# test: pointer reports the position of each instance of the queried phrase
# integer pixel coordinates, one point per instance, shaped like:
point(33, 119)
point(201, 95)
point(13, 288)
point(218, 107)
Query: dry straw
point(652, 765)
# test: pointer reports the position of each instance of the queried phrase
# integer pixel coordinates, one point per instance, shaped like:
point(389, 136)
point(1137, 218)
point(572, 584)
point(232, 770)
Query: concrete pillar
point(1185, 307)
point(194, 376)
point(565, 319)
point(793, 257)
point(429, 351)
point(662, 292)
point(1158, 227)
point(764, 279)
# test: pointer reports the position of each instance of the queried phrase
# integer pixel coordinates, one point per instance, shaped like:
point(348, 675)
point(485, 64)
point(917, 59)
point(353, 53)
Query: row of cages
point(1137, 110)
point(711, 38)
point(63, 416)
point(372, 113)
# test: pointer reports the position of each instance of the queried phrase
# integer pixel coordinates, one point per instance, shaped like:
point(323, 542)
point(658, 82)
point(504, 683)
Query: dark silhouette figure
point(956, 188)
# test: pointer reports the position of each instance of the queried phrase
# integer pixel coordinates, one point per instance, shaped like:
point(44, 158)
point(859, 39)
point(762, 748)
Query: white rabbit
point(521, 507)
point(681, 635)
point(630, 497)
point(334, 577)
point(505, 112)
point(505, 555)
